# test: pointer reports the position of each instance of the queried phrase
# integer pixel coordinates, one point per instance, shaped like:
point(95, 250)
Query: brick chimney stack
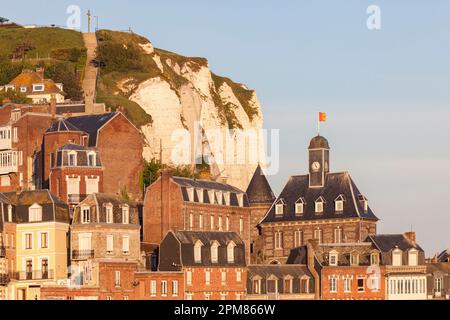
point(411, 236)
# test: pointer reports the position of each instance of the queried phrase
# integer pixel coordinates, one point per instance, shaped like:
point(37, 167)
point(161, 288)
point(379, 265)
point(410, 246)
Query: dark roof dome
point(319, 142)
point(259, 190)
point(62, 125)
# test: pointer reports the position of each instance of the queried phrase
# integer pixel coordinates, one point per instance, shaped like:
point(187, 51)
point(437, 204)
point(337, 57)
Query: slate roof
point(53, 208)
point(387, 242)
point(337, 184)
point(278, 270)
point(91, 124)
point(205, 185)
point(259, 190)
point(71, 146)
point(444, 256)
point(62, 125)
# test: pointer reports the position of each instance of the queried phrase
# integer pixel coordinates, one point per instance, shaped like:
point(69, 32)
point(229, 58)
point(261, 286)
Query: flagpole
point(318, 125)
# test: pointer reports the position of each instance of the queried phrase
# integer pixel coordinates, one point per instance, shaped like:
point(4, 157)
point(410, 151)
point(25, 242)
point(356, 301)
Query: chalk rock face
point(223, 118)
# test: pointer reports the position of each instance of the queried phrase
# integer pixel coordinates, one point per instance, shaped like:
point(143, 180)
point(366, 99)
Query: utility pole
point(89, 20)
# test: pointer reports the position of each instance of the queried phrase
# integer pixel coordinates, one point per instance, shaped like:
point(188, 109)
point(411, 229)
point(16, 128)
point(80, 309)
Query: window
point(227, 223)
point(361, 285)
point(117, 279)
point(85, 215)
point(200, 222)
point(15, 134)
point(397, 257)
point(304, 285)
point(333, 257)
point(214, 252)
point(230, 252)
point(279, 209)
point(412, 257)
point(190, 192)
point(288, 285)
point(272, 285)
point(339, 204)
point(200, 195)
point(38, 87)
point(226, 195)
point(212, 222)
point(109, 244)
point(175, 288)
point(28, 241)
point(126, 215)
point(240, 198)
point(153, 288)
point(347, 284)
point(319, 205)
point(438, 284)
point(223, 277)
point(220, 223)
point(191, 221)
point(256, 283)
point(108, 298)
point(298, 238)
point(35, 213)
point(23, 89)
point(375, 258)
point(219, 197)
point(73, 159)
point(300, 206)
point(241, 225)
point(91, 160)
point(374, 282)
point(318, 235)
point(278, 240)
point(126, 245)
point(109, 214)
point(189, 277)
point(10, 213)
point(164, 288)
point(198, 251)
point(238, 275)
point(354, 259)
point(207, 277)
point(338, 235)
point(364, 203)
point(44, 268)
point(44, 240)
point(333, 284)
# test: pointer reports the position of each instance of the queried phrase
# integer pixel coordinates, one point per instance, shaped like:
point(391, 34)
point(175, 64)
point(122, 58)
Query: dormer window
point(354, 259)
point(91, 159)
point(319, 204)
point(85, 215)
point(35, 213)
point(374, 258)
point(109, 213)
point(364, 203)
point(230, 252)
point(200, 195)
point(198, 251)
point(413, 257)
point(190, 193)
point(300, 206)
point(72, 159)
point(125, 214)
point(215, 252)
point(38, 87)
point(279, 207)
point(397, 257)
point(333, 258)
point(339, 204)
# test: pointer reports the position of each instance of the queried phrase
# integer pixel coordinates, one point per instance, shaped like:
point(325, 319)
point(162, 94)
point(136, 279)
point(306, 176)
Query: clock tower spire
point(319, 161)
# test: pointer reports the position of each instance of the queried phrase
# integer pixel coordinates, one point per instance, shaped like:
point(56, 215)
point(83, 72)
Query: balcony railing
point(4, 279)
point(75, 198)
point(32, 275)
point(82, 254)
point(8, 162)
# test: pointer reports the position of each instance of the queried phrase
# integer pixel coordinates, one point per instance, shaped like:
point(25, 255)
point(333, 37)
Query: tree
point(14, 97)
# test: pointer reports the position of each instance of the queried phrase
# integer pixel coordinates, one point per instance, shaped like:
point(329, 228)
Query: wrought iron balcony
point(75, 198)
point(82, 254)
point(33, 275)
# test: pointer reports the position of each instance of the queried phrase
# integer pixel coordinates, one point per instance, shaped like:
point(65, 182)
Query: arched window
point(198, 251)
point(35, 213)
point(230, 252)
point(215, 252)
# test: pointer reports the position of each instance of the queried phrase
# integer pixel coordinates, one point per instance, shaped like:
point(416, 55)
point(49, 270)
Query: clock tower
point(319, 161)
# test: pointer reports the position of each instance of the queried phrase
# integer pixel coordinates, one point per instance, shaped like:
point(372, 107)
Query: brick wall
point(142, 291)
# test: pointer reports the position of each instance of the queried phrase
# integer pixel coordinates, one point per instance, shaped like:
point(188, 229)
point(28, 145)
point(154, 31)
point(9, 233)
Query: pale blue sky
point(387, 92)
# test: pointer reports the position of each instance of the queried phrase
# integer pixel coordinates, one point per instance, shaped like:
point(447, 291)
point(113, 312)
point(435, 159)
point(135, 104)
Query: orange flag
point(322, 117)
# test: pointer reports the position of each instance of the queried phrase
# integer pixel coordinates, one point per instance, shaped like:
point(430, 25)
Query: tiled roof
point(91, 124)
point(337, 184)
point(259, 190)
point(27, 78)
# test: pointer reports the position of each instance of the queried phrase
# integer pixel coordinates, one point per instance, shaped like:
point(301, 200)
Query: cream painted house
point(41, 242)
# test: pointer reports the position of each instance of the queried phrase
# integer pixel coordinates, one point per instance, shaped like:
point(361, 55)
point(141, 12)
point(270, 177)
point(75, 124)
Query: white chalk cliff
point(185, 93)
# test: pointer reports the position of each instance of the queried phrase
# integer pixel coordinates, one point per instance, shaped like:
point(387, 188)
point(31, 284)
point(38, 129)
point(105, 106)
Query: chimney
point(411, 236)
point(40, 72)
point(53, 106)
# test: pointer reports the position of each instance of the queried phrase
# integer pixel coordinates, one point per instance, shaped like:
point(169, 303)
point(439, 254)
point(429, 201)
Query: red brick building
point(198, 205)
point(76, 172)
point(159, 285)
point(321, 205)
point(213, 263)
